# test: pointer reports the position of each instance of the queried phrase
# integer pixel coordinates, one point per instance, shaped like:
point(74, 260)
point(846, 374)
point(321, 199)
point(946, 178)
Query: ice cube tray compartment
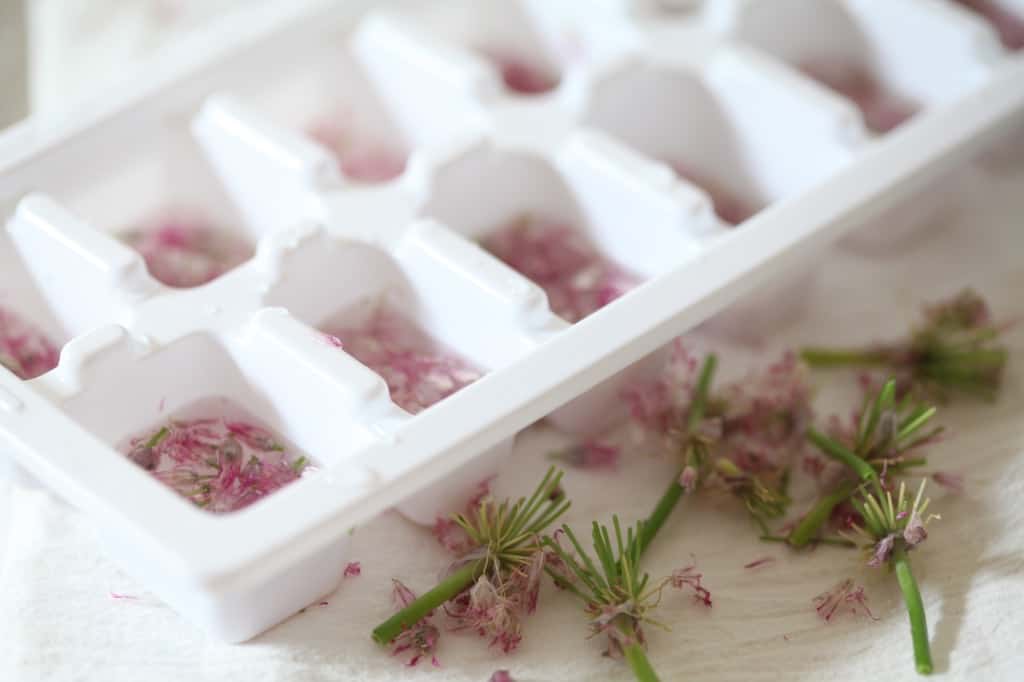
point(1005, 16)
point(23, 306)
point(860, 49)
point(330, 249)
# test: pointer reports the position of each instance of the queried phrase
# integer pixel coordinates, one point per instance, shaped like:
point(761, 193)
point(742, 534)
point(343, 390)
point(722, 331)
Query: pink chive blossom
point(220, 465)
point(760, 563)
point(882, 110)
point(688, 577)
point(727, 204)
point(953, 482)
point(24, 349)
point(657, 405)
point(418, 371)
point(495, 607)
point(353, 569)
point(185, 252)
point(766, 416)
point(844, 596)
point(359, 160)
point(576, 277)
point(590, 454)
point(501, 676)
point(419, 640)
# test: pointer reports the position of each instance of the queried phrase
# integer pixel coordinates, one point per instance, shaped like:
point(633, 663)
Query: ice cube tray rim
point(212, 551)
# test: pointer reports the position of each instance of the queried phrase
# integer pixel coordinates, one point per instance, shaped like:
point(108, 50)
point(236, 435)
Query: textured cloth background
point(59, 621)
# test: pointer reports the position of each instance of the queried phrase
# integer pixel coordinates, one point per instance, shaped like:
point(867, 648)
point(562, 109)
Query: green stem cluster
point(670, 498)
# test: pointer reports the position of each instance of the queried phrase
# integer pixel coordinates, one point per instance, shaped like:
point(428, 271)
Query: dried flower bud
point(883, 550)
point(688, 479)
point(915, 533)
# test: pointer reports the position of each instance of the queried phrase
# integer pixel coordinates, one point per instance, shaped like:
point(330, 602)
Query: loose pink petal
point(24, 349)
point(353, 569)
point(501, 676)
point(119, 596)
point(759, 563)
point(576, 277)
point(418, 371)
point(688, 577)
point(220, 465)
point(844, 597)
point(421, 639)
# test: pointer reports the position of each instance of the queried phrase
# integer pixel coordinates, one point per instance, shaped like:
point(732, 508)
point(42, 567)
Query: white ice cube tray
point(711, 86)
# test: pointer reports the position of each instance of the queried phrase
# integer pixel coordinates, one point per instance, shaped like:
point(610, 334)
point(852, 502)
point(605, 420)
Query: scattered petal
point(760, 563)
point(688, 577)
point(419, 640)
point(844, 596)
point(353, 569)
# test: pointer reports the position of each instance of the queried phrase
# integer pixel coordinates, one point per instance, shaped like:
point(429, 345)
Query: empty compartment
point(891, 59)
point(319, 89)
point(683, 119)
point(222, 426)
point(1005, 16)
point(30, 334)
point(153, 190)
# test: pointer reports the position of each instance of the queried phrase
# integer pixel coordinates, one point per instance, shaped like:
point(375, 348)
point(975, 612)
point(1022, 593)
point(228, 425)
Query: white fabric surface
point(59, 623)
